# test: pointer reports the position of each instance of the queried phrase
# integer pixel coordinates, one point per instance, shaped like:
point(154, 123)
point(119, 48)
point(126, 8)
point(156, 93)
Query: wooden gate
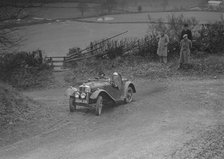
point(56, 61)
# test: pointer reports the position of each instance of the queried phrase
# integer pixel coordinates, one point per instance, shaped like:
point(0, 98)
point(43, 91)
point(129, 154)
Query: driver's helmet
point(115, 76)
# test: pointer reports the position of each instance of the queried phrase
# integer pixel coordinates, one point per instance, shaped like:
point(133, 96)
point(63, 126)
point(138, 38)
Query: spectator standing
point(185, 51)
point(187, 31)
point(162, 47)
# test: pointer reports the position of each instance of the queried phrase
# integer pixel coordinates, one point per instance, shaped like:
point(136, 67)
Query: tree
point(82, 7)
point(139, 8)
point(109, 5)
point(11, 11)
point(203, 2)
point(122, 3)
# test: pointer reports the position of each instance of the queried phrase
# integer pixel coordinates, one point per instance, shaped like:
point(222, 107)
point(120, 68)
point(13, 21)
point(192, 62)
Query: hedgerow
point(24, 69)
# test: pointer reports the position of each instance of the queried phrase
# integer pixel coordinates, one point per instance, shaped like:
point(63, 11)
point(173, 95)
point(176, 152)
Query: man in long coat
point(162, 47)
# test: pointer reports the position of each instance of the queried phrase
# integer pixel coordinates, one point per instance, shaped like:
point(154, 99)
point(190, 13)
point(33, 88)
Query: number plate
point(81, 101)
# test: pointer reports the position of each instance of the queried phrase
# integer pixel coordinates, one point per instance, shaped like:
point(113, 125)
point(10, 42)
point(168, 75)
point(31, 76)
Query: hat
point(185, 35)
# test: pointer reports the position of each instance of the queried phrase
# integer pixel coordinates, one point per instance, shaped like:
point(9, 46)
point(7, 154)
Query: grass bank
point(132, 67)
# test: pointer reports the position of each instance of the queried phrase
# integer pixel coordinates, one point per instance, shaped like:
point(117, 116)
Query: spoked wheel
point(99, 105)
point(129, 95)
point(72, 105)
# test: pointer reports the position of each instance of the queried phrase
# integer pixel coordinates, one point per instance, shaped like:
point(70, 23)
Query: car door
point(115, 89)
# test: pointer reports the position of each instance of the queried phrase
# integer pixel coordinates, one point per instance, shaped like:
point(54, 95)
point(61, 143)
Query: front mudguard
point(71, 91)
point(98, 92)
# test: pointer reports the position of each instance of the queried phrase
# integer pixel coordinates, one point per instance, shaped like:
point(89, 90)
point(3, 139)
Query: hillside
point(14, 107)
point(20, 116)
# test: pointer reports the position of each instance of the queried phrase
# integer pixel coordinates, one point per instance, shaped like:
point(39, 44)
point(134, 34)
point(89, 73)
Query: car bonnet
point(97, 84)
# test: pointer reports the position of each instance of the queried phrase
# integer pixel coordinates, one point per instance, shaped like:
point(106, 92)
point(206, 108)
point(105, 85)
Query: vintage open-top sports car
point(99, 91)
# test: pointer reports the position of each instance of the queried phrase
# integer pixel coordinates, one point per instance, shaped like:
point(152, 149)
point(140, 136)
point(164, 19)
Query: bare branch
point(11, 10)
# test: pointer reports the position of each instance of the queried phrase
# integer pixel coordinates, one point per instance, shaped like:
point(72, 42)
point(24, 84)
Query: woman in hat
point(185, 51)
point(187, 31)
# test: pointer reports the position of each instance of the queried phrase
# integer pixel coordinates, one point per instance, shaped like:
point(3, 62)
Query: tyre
point(99, 105)
point(129, 95)
point(72, 105)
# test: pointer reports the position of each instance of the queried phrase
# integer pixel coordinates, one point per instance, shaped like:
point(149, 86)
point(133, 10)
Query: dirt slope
point(21, 116)
point(13, 105)
point(164, 117)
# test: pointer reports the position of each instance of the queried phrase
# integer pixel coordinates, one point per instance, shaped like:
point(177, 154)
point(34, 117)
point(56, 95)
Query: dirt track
point(163, 117)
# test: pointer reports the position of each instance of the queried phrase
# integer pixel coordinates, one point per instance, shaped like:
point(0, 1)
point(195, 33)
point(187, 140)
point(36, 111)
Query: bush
point(22, 69)
point(211, 38)
point(111, 48)
point(74, 51)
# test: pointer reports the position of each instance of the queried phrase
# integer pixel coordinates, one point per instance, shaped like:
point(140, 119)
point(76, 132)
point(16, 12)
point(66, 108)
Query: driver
point(115, 79)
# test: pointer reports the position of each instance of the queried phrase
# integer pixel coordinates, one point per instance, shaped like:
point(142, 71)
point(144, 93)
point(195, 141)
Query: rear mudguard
point(100, 91)
point(128, 84)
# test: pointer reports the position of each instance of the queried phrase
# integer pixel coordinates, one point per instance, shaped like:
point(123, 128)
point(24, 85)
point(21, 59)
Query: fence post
point(51, 60)
point(139, 46)
point(64, 62)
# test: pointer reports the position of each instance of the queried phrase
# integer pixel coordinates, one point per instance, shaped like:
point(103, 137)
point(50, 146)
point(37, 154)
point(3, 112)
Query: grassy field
point(56, 38)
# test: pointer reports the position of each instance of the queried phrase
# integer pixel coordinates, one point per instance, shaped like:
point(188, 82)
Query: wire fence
point(207, 37)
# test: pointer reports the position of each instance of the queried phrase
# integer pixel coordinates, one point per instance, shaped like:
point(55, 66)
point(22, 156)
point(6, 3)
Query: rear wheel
point(99, 105)
point(72, 105)
point(129, 95)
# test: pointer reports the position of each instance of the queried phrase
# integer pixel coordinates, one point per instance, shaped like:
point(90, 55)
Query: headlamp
point(77, 94)
point(83, 95)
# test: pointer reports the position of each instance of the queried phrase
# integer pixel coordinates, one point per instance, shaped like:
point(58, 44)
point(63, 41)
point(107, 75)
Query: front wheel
point(72, 105)
point(99, 105)
point(129, 95)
